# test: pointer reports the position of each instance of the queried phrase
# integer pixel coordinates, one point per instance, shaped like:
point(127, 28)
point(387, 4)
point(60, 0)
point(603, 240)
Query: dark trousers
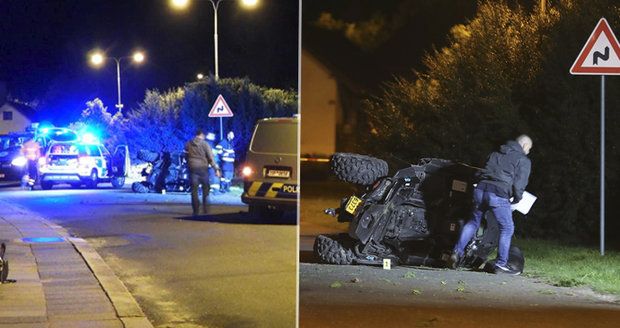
point(199, 176)
point(227, 175)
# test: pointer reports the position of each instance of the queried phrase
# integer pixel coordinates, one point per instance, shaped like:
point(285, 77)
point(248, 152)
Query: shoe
point(501, 269)
point(453, 261)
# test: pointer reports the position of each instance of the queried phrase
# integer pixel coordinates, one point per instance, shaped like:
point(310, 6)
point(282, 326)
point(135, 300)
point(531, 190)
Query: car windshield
point(4, 143)
point(64, 149)
point(275, 137)
point(8, 142)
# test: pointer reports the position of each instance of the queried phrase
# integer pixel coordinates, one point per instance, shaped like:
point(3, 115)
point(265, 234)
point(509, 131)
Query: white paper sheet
point(525, 204)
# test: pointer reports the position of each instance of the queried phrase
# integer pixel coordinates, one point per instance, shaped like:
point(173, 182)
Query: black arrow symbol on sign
point(221, 108)
point(598, 55)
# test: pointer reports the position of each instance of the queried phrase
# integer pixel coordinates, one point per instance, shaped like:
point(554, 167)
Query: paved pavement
point(58, 281)
point(224, 269)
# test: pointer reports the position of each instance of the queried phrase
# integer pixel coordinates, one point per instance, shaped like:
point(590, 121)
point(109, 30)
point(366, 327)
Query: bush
point(165, 121)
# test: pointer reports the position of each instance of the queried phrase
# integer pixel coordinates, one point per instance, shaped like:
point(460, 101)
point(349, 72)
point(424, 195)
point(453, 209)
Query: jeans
point(485, 201)
point(199, 176)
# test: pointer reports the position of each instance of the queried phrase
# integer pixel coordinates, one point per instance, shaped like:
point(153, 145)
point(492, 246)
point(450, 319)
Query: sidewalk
point(59, 281)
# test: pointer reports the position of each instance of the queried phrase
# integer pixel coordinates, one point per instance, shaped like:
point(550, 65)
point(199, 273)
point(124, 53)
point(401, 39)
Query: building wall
point(17, 124)
point(319, 107)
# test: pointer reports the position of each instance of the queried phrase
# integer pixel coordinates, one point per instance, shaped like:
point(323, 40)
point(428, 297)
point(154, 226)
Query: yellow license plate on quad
point(353, 204)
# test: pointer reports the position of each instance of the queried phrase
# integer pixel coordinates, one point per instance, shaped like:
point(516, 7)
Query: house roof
point(27, 111)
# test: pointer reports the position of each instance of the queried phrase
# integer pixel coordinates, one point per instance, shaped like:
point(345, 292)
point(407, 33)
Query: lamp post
point(98, 58)
point(182, 4)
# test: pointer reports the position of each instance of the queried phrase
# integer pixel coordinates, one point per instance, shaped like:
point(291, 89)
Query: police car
point(270, 171)
point(82, 163)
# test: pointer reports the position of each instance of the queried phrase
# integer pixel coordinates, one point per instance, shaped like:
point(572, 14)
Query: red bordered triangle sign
point(600, 55)
point(220, 108)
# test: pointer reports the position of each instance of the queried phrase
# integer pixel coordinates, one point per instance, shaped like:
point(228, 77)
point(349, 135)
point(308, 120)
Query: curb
point(126, 307)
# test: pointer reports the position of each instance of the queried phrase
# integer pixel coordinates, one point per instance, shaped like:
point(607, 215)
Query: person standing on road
point(226, 151)
point(213, 179)
point(199, 156)
point(32, 151)
point(505, 175)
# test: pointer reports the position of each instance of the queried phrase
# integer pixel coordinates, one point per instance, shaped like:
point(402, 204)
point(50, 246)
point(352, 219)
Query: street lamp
point(182, 4)
point(97, 58)
point(200, 76)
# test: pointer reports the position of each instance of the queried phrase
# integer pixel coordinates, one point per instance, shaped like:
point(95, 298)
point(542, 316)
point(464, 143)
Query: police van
point(82, 163)
point(270, 170)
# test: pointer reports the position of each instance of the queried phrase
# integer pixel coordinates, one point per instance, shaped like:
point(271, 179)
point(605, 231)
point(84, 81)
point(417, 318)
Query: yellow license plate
point(278, 174)
point(353, 204)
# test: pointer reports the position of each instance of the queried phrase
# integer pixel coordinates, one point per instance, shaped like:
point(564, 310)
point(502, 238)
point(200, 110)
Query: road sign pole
point(221, 130)
point(602, 232)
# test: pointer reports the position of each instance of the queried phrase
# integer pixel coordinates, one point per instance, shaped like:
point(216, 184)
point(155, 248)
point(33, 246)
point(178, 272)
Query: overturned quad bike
point(165, 171)
point(412, 218)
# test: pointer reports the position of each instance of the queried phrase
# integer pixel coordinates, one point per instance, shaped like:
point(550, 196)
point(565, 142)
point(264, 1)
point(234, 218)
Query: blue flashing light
point(35, 240)
point(89, 138)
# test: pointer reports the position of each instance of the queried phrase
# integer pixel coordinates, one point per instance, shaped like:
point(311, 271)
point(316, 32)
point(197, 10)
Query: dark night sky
point(44, 46)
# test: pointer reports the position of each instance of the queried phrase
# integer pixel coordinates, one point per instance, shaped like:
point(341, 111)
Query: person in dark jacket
point(199, 156)
point(504, 176)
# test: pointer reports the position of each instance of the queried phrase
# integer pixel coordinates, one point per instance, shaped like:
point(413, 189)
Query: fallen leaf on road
point(427, 323)
point(409, 275)
point(444, 283)
point(355, 280)
point(416, 292)
point(460, 289)
point(336, 284)
point(546, 292)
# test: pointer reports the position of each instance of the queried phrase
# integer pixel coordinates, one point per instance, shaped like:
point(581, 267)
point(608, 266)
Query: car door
point(120, 161)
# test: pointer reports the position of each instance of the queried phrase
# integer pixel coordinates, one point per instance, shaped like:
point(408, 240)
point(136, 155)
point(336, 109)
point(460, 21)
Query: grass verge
point(570, 266)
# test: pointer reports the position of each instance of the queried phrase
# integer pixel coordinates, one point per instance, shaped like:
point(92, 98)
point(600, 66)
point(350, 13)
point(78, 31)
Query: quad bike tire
point(334, 249)
point(46, 185)
point(147, 155)
point(118, 182)
point(139, 187)
point(358, 169)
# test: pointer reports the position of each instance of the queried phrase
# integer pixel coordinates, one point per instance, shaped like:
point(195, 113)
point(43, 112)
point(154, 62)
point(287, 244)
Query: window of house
point(7, 116)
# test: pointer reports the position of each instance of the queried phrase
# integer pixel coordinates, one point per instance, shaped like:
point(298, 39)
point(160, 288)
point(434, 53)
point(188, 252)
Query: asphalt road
point(219, 270)
point(364, 296)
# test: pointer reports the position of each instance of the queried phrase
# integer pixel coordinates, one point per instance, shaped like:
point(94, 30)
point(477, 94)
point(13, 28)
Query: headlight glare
point(19, 161)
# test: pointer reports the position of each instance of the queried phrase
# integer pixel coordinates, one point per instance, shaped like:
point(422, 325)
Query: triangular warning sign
point(600, 55)
point(220, 108)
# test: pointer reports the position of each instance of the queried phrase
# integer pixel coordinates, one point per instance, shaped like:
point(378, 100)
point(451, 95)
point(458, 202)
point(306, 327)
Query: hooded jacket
point(508, 170)
point(199, 154)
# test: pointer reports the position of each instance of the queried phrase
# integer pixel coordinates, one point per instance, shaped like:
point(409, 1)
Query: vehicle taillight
point(247, 171)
